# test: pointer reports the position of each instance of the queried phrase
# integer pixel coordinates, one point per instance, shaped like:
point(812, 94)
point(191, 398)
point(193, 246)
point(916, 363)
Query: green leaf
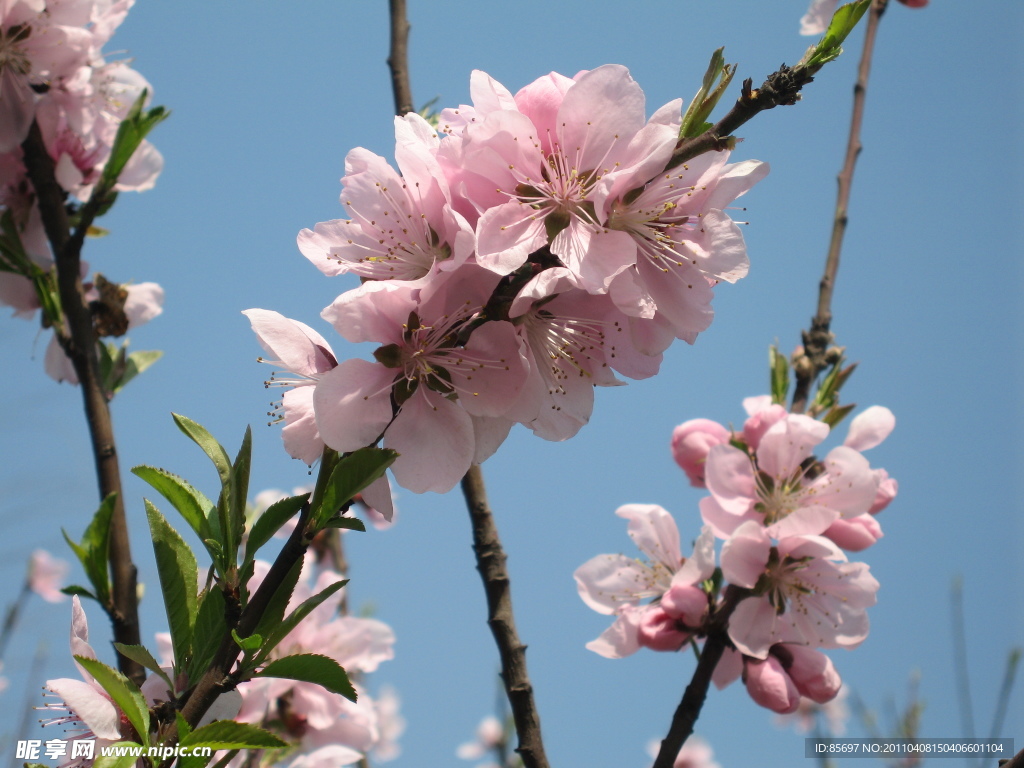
point(250, 643)
point(184, 729)
point(133, 129)
point(779, 375)
point(210, 446)
point(837, 413)
point(190, 503)
point(92, 550)
point(74, 589)
point(312, 668)
point(126, 760)
point(179, 579)
point(235, 524)
point(209, 629)
point(270, 522)
point(351, 475)
point(707, 98)
point(227, 734)
point(124, 693)
point(136, 363)
point(275, 632)
point(830, 46)
point(141, 654)
point(348, 523)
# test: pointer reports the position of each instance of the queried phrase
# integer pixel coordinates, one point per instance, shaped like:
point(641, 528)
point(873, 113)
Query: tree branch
point(689, 708)
point(490, 560)
point(781, 88)
point(79, 340)
point(817, 340)
point(398, 60)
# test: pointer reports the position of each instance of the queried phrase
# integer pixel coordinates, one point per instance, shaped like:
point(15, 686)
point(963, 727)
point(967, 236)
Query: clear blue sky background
point(267, 99)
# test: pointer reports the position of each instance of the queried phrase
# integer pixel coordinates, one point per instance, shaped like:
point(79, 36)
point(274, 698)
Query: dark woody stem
point(816, 341)
point(398, 60)
point(689, 708)
point(490, 560)
point(78, 340)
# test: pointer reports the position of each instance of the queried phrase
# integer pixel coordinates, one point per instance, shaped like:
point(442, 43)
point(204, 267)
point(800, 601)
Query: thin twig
point(817, 340)
point(11, 616)
point(490, 562)
point(79, 343)
point(398, 60)
point(781, 88)
point(688, 711)
point(963, 678)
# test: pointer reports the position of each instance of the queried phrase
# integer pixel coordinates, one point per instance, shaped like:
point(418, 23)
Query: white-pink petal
point(869, 428)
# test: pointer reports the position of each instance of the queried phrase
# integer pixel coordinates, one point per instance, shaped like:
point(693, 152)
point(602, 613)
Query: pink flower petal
point(353, 404)
point(870, 428)
point(92, 707)
point(434, 438)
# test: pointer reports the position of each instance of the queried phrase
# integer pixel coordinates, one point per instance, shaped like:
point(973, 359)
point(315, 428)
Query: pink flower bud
point(855, 533)
point(811, 671)
point(687, 603)
point(660, 632)
point(915, 3)
point(691, 442)
point(770, 686)
point(760, 422)
point(887, 488)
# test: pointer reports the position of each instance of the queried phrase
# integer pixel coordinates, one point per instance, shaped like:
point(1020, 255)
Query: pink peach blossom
point(616, 585)
point(805, 592)
point(438, 382)
point(779, 488)
point(301, 351)
point(46, 575)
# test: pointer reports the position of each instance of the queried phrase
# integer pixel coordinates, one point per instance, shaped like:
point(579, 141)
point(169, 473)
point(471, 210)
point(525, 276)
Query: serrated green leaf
point(184, 729)
point(209, 630)
point(92, 551)
point(124, 693)
point(312, 668)
point(141, 654)
point(277, 631)
point(126, 760)
point(194, 761)
point(37, 765)
point(227, 734)
point(210, 446)
point(351, 475)
point(191, 504)
point(347, 523)
point(270, 522)
point(179, 579)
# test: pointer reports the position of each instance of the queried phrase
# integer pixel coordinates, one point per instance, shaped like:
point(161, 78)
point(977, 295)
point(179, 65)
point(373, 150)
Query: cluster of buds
point(526, 250)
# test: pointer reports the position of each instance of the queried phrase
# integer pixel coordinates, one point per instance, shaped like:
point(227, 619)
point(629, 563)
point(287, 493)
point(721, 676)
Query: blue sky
point(266, 101)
